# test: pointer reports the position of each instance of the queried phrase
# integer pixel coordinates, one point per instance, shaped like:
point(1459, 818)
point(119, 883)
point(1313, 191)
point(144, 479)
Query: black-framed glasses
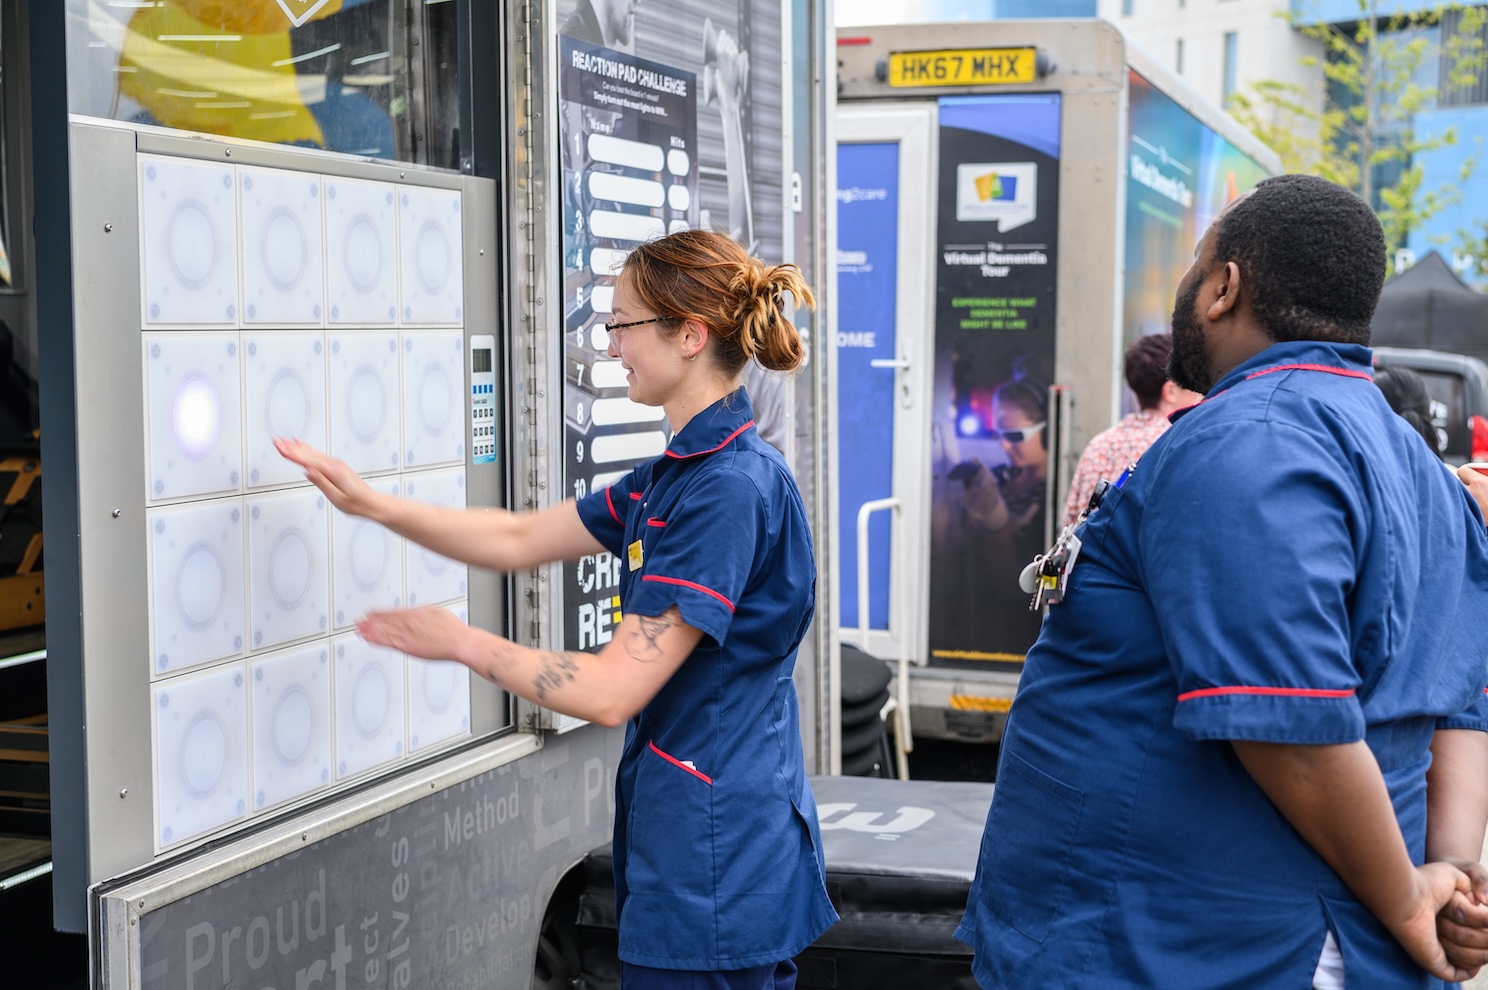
point(1016, 436)
point(613, 329)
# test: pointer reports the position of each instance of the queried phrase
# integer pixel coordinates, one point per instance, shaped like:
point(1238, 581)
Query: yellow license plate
point(963, 67)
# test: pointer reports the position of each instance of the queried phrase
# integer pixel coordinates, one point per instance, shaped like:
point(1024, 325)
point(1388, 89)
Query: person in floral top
point(1116, 449)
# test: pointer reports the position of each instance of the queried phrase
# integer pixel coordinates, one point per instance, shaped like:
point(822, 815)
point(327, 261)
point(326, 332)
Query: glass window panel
point(7, 279)
point(1231, 60)
point(363, 77)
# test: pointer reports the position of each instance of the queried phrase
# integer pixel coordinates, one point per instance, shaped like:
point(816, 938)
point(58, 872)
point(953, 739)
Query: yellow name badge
point(634, 553)
point(964, 67)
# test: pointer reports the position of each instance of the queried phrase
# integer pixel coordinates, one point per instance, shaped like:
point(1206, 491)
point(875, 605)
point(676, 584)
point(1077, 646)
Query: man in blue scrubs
point(1217, 769)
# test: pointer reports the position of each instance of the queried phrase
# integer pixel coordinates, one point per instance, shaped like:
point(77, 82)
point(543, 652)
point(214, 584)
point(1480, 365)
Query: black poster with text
point(994, 361)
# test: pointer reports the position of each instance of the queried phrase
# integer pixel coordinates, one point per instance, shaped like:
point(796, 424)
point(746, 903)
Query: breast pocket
point(671, 833)
point(1030, 834)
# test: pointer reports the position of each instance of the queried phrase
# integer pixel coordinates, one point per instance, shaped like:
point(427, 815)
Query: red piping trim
point(636, 496)
point(841, 42)
point(610, 502)
point(689, 584)
point(658, 523)
point(1325, 368)
point(678, 763)
point(1276, 691)
point(727, 440)
point(1174, 416)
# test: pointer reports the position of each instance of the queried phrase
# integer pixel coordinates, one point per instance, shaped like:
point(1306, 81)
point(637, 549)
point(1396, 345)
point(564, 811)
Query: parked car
point(1458, 386)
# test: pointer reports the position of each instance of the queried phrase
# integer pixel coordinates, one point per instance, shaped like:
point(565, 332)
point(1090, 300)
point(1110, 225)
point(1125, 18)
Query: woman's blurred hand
point(342, 486)
point(430, 633)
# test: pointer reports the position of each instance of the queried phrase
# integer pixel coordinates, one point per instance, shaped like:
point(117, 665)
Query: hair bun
point(706, 276)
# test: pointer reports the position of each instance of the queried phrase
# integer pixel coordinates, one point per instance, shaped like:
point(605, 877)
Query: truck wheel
point(559, 962)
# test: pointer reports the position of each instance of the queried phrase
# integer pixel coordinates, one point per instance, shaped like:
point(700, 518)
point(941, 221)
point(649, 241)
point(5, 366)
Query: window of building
point(1462, 33)
point(367, 78)
point(1231, 57)
point(1178, 58)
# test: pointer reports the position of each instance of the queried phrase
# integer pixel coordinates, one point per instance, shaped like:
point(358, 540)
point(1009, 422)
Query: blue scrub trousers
point(774, 976)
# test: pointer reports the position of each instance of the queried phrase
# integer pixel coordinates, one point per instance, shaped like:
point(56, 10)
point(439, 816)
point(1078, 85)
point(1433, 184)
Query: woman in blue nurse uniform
point(719, 877)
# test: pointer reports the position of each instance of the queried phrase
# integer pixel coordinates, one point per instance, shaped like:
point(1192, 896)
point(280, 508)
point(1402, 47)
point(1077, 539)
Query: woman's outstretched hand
point(430, 633)
point(342, 486)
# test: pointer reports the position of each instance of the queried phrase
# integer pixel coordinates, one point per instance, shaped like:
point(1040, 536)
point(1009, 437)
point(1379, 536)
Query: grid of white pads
point(285, 303)
point(240, 738)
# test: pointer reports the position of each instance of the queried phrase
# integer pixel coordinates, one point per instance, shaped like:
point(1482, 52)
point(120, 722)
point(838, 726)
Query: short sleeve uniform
point(717, 850)
point(1289, 563)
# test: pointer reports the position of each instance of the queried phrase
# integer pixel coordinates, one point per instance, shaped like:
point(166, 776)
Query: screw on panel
point(123, 793)
point(116, 513)
point(227, 152)
point(108, 228)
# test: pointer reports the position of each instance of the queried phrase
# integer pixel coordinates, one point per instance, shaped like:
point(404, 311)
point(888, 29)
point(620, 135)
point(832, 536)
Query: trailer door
point(885, 280)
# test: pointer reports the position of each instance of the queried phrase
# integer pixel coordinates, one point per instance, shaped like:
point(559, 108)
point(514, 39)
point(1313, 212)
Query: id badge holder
point(1073, 546)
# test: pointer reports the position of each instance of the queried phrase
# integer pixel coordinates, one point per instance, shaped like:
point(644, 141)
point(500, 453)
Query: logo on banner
point(1005, 193)
point(306, 8)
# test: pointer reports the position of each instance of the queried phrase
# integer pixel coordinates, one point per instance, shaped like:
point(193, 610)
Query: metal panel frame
point(111, 540)
point(53, 289)
point(534, 308)
point(828, 657)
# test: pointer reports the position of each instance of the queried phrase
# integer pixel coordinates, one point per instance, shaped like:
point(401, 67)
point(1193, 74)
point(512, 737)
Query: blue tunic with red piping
point(717, 851)
point(1289, 563)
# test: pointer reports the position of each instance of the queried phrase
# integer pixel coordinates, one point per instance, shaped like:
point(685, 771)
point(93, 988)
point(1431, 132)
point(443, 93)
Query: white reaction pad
point(433, 578)
point(433, 398)
point(197, 605)
point(361, 252)
point(288, 567)
point(438, 697)
point(189, 225)
point(282, 249)
point(431, 256)
point(193, 404)
point(201, 752)
point(367, 563)
point(285, 396)
point(291, 723)
point(365, 425)
point(369, 705)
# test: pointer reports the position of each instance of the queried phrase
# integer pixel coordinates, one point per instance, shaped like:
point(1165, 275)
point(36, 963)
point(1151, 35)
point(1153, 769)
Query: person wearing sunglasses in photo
point(1006, 500)
point(719, 875)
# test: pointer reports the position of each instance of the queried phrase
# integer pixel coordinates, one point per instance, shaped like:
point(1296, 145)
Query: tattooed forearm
point(503, 659)
point(644, 644)
point(554, 671)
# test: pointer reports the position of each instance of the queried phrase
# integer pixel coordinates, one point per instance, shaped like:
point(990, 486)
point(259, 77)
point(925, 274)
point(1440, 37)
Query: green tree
point(1359, 128)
